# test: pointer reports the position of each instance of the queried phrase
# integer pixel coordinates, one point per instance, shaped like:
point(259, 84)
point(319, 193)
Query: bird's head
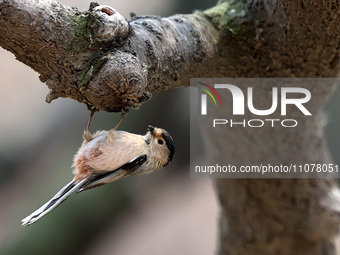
point(162, 144)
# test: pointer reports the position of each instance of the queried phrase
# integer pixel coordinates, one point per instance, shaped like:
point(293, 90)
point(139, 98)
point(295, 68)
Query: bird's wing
point(118, 149)
point(58, 198)
point(110, 176)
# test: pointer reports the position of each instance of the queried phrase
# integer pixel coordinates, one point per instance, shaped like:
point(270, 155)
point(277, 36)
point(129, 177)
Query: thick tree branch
point(99, 58)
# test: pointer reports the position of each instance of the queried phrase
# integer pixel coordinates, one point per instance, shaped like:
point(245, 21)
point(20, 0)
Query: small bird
point(107, 156)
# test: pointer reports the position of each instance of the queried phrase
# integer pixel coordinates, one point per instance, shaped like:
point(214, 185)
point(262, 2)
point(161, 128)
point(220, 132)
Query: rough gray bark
point(114, 67)
point(283, 216)
point(98, 57)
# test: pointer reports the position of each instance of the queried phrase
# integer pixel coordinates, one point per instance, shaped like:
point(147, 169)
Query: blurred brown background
point(163, 213)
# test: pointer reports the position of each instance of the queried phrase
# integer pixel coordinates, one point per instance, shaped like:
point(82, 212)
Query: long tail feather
point(90, 182)
point(58, 198)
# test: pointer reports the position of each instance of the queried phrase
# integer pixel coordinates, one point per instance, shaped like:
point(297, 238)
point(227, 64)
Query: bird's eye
point(160, 141)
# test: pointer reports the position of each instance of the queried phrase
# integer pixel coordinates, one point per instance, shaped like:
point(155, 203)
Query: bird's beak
point(151, 129)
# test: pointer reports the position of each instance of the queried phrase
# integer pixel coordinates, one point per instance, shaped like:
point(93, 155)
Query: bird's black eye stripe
point(160, 141)
point(169, 143)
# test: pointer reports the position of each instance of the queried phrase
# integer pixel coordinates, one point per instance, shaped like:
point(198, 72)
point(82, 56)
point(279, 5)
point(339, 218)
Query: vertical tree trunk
point(281, 216)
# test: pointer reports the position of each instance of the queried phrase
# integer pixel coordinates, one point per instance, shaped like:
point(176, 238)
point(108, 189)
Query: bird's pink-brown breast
point(107, 152)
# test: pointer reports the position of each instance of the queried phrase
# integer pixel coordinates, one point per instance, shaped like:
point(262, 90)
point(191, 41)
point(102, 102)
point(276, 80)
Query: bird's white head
point(161, 144)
